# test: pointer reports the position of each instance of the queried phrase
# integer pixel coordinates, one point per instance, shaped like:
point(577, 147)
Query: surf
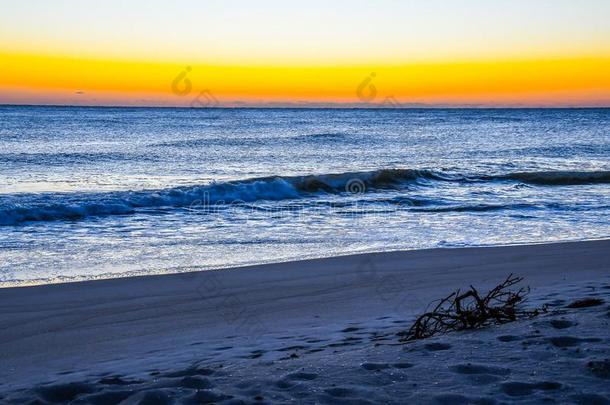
point(19, 208)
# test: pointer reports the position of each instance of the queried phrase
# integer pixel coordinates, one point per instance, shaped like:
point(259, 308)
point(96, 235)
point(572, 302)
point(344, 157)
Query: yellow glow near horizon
point(579, 81)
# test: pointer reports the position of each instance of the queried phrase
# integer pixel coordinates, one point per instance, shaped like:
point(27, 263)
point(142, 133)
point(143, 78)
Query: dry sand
point(315, 331)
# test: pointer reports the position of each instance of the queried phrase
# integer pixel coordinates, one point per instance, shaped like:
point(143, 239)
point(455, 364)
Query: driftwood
point(470, 310)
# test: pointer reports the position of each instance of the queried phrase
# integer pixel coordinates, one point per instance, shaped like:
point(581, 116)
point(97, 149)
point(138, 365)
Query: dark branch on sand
point(470, 310)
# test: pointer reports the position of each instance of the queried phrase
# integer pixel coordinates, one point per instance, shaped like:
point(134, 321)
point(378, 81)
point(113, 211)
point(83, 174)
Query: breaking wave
point(20, 208)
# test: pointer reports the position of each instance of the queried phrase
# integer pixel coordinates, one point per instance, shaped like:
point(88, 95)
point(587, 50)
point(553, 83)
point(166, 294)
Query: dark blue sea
point(109, 192)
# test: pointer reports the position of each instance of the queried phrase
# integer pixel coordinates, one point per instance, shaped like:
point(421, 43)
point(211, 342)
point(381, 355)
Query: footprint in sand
point(600, 369)
point(570, 341)
point(586, 303)
point(340, 392)
point(375, 366)
point(302, 376)
point(255, 354)
point(64, 392)
point(517, 389)
point(478, 369)
point(509, 338)
point(437, 346)
point(562, 323)
point(189, 372)
point(402, 365)
point(480, 374)
point(196, 382)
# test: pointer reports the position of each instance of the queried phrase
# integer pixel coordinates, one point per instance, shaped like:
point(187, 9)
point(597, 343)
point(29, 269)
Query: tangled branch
point(470, 310)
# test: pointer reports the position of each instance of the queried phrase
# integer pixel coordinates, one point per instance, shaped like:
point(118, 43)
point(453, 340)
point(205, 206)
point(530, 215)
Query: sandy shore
point(292, 331)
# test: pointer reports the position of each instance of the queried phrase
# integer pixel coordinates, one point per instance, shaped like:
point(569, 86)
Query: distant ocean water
point(105, 192)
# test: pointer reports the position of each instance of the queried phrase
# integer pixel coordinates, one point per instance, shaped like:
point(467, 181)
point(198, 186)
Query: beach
point(247, 203)
point(312, 331)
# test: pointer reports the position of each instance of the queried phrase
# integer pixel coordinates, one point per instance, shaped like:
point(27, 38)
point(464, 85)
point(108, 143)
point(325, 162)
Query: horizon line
point(297, 106)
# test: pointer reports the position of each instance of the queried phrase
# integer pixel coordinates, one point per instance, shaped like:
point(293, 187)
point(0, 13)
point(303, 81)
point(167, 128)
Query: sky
point(306, 53)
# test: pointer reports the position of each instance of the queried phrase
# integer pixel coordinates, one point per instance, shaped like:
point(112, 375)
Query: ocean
point(89, 192)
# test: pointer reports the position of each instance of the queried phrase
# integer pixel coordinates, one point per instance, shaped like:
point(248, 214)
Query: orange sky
point(63, 80)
